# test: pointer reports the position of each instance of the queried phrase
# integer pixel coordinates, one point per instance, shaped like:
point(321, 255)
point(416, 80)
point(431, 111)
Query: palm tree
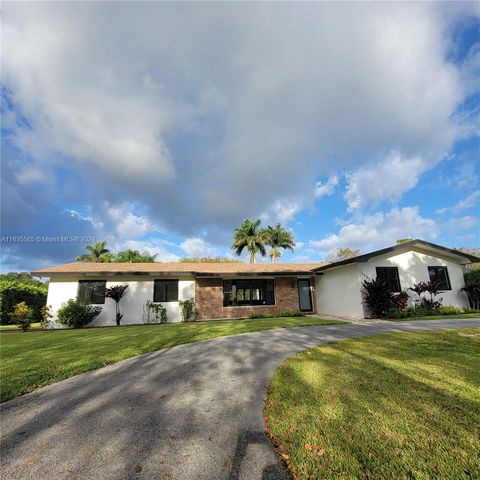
point(278, 237)
point(116, 293)
point(96, 253)
point(248, 235)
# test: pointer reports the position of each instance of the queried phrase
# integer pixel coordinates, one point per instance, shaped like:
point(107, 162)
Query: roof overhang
point(461, 257)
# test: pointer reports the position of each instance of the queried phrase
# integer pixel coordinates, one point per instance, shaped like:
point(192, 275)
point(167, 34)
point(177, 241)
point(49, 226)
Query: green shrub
point(187, 309)
point(22, 316)
point(154, 313)
point(75, 314)
point(472, 277)
point(449, 310)
point(13, 292)
point(284, 313)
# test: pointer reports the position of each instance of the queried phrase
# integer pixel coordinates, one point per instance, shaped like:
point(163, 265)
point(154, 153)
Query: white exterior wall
point(338, 292)
point(413, 267)
point(140, 290)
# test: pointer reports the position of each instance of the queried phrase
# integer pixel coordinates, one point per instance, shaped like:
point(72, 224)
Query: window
point(390, 276)
point(248, 292)
point(440, 276)
point(165, 291)
point(91, 291)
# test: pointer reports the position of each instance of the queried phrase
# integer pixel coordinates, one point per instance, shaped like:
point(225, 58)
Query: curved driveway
point(190, 412)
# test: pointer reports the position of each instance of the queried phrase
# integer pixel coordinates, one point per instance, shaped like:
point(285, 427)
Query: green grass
point(15, 327)
point(439, 317)
point(35, 359)
point(395, 406)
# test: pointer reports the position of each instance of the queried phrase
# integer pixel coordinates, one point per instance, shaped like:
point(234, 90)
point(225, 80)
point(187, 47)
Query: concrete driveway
point(189, 412)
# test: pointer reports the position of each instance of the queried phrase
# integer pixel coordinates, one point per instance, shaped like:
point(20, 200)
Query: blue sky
point(160, 126)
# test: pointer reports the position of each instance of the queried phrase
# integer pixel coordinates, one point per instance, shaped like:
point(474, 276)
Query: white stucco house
point(233, 290)
point(339, 285)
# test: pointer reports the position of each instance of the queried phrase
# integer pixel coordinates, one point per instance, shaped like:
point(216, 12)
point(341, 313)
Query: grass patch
point(394, 406)
point(35, 359)
point(15, 327)
point(438, 317)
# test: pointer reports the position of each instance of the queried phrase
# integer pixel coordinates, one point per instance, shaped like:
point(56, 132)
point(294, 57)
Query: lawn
point(395, 406)
point(15, 327)
point(35, 359)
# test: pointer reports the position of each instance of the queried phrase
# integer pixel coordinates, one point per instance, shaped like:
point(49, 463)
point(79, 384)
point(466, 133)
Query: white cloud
point(385, 180)
point(462, 223)
point(378, 230)
point(327, 188)
point(261, 98)
point(197, 247)
point(281, 211)
point(151, 246)
point(468, 202)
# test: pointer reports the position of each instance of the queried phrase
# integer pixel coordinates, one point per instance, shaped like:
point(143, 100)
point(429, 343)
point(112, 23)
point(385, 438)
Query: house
point(233, 290)
point(338, 285)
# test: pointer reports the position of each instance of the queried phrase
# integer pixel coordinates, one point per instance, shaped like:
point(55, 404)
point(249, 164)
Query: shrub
point(154, 313)
point(284, 313)
point(46, 317)
point(378, 298)
point(430, 288)
point(75, 314)
point(472, 288)
point(449, 310)
point(22, 316)
point(187, 309)
point(13, 292)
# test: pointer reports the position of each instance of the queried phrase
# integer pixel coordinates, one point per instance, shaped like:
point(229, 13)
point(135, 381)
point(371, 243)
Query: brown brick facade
point(209, 299)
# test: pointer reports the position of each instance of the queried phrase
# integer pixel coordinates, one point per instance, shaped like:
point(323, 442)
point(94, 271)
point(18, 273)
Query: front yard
point(394, 406)
point(35, 359)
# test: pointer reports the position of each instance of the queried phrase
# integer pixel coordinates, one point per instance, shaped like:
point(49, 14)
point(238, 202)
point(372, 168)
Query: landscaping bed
point(30, 360)
point(391, 406)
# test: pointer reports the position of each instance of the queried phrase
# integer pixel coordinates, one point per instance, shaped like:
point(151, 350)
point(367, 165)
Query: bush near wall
point(13, 292)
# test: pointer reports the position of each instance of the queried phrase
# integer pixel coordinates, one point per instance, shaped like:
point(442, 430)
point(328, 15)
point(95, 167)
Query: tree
point(249, 236)
point(343, 254)
point(116, 293)
point(278, 237)
point(22, 277)
point(133, 256)
point(96, 253)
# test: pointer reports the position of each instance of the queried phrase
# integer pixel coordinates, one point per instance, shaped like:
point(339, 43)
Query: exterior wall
point(412, 268)
point(62, 289)
point(209, 299)
point(338, 292)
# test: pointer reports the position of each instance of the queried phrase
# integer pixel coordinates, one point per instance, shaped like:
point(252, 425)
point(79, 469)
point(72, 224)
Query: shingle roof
point(177, 268)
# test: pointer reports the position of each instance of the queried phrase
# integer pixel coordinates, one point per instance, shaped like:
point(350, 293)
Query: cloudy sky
point(160, 126)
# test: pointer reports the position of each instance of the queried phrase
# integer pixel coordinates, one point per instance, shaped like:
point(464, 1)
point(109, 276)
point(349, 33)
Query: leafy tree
point(249, 236)
point(343, 254)
point(13, 292)
point(133, 256)
point(209, 260)
point(404, 240)
point(21, 277)
point(22, 316)
point(116, 293)
point(96, 253)
point(278, 237)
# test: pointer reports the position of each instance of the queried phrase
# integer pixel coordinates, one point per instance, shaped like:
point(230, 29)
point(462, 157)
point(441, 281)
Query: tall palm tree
point(96, 253)
point(278, 237)
point(249, 235)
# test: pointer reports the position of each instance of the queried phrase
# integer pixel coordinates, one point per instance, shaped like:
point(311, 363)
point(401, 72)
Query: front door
point(304, 295)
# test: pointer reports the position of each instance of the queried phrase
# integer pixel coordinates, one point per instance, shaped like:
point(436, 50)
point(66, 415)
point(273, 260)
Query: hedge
point(13, 292)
